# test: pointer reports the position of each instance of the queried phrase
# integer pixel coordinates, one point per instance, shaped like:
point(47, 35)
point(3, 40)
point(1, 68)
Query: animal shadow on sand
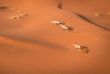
point(70, 28)
point(63, 23)
point(84, 49)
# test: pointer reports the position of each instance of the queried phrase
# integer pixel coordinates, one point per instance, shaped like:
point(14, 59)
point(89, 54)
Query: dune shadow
point(60, 4)
point(3, 7)
point(86, 19)
point(34, 41)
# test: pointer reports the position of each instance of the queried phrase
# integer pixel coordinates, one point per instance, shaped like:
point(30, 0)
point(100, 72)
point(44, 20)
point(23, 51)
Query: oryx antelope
point(64, 27)
point(55, 22)
point(60, 24)
point(18, 16)
point(78, 47)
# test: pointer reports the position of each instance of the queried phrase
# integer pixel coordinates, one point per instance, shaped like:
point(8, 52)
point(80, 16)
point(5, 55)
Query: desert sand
point(30, 44)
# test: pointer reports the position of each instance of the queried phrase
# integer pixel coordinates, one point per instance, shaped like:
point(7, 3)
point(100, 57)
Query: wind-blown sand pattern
point(34, 46)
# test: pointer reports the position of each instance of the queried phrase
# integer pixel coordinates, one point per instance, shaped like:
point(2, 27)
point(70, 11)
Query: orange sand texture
point(29, 44)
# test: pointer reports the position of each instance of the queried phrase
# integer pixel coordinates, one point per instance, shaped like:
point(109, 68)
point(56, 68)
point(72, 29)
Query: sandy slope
point(88, 8)
point(33, 46)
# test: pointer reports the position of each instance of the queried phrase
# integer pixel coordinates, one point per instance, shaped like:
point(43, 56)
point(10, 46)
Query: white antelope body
point(64, 27)
point(78, 47)
point(55, 22)
point(60, 24)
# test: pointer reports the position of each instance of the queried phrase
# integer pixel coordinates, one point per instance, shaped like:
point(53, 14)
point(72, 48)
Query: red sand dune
point(31, 45)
